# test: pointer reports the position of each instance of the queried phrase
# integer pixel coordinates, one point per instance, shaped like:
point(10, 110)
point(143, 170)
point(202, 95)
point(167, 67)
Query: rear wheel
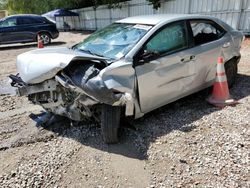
point(45, 38)
point(110, 123)
point(231, 69)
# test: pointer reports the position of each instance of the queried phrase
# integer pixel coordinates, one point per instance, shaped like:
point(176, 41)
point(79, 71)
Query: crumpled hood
point(38, 65)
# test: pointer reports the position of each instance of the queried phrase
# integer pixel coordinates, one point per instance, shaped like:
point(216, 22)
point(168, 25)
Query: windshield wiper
point(89, 52)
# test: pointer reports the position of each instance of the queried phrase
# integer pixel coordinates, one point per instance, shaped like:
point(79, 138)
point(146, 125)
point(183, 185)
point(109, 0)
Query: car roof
point(24, 15)
point(155, 19)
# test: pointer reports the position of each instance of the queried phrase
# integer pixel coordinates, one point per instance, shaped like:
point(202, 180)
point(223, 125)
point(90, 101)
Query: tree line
point(42, 6)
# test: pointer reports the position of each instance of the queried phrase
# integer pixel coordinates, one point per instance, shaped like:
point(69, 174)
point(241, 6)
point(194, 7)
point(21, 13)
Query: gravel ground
point(185, 144)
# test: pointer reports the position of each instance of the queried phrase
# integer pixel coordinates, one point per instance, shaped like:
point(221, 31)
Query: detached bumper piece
point(24, 90)
point(16, 81)
point(19, 83)
point(28, 90)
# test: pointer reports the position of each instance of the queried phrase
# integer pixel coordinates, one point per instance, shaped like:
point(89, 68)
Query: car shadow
point(138, 134)
point(30, 45)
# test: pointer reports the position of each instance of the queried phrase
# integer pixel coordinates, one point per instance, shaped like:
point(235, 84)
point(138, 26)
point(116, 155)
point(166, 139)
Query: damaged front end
point(80, 87)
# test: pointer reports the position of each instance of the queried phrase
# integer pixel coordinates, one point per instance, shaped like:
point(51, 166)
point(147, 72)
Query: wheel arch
point(43, 31)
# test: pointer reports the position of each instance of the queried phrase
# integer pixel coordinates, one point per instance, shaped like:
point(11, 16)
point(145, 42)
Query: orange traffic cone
point(39, 42)
point(220, 96)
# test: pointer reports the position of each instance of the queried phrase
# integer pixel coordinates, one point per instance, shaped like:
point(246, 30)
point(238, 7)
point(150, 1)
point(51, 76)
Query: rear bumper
point(55, 34)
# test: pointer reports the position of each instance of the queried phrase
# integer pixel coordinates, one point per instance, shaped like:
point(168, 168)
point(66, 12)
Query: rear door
point(165, 67)
point(27, 28)
point(209, 42)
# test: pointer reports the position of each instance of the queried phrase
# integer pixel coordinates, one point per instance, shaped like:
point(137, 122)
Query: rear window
point(47, 19)
point(205, 31)
point(28, 21)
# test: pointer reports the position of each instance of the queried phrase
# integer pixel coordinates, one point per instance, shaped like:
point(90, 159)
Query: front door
point(8, 31)
point(170, 70)
point(210, 42)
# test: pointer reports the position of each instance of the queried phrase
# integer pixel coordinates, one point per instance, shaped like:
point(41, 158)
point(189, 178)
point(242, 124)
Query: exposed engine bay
point(76, 91)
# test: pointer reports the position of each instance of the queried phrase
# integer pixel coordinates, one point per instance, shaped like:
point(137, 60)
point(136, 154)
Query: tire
point(45, 38)
point(110, 123)
point(231, 69)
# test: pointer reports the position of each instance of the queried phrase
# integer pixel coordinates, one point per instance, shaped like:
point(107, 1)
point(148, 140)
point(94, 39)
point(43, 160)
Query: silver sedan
point(129, 68)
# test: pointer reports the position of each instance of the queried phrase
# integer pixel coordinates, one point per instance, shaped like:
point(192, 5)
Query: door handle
point(192, 57)
point(226, 45)
point(188, 59)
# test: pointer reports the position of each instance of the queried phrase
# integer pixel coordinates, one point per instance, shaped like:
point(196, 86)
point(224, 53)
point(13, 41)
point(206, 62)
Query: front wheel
point(110, 123)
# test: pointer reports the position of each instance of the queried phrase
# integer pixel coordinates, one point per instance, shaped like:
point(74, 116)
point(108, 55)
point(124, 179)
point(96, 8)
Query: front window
point(171, 38)
point(114, 41)
point(9, 22)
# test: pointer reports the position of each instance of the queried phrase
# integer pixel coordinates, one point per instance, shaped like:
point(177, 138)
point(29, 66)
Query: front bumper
point(24, 90)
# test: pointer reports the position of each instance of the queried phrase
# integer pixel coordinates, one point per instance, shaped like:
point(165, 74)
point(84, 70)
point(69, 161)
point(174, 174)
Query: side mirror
point(148, 56)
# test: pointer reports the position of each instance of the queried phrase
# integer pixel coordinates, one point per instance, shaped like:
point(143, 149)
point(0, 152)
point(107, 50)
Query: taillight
point(242, 40)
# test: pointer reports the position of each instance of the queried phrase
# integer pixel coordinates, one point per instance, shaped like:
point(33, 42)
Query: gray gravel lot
point(188, 143)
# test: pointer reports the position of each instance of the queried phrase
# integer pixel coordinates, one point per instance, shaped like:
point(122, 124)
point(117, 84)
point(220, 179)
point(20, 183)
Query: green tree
point(35, 6)
point(156, 3)
point(42, 6)
point(3, 4)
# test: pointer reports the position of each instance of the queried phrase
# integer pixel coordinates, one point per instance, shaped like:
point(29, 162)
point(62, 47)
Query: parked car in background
point(129, 68)
point(26, 28)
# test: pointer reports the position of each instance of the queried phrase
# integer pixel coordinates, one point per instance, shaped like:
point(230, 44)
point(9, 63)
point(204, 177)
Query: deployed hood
point(42, 64)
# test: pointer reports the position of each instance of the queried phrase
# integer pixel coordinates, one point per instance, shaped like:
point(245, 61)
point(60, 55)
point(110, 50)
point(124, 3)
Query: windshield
point(114, 41)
